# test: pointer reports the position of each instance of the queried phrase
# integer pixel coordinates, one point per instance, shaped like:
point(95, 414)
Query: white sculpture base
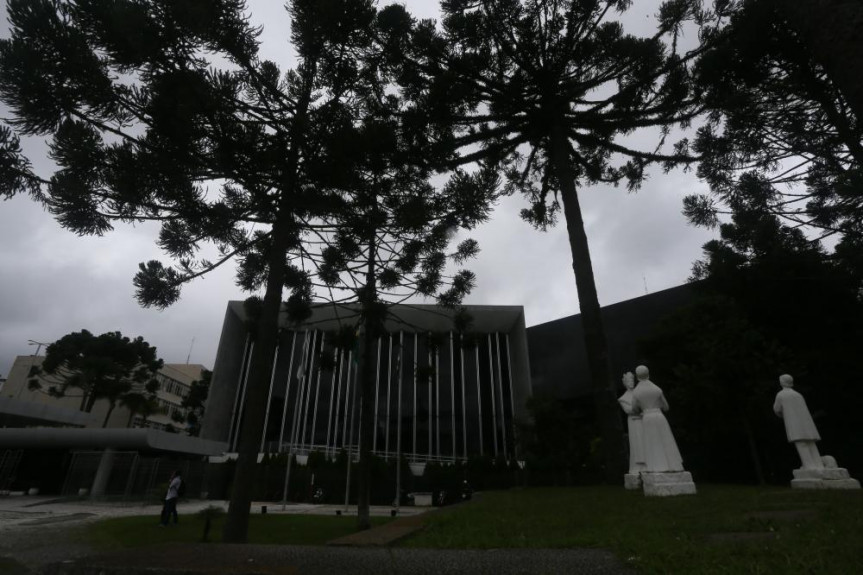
point(632, 481)
point(826, 478)
point(668, 484)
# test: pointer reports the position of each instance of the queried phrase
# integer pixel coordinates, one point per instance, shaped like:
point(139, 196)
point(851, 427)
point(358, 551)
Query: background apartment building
point(23, 407)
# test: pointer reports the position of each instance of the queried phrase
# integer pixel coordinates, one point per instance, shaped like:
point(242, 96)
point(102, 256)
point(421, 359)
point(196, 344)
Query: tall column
point(491, 389)
point(389, 385)
point(377, 395)
point(500, 396)
point(452, 392)
point(479, 402)
point(336, 353)
point(237, 408)
point(317, 394)
point(338, 402)
point(414, 452)
point(270, 394)
point(347, 423)
point(103, 473)
point(309, 383)
point(287, 394)
point(463, 397)
point(511, 397)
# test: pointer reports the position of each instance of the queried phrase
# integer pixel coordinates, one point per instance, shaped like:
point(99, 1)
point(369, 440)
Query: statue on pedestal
point(816, 472)
point(632, 480)
point(663, 472)
point(799, 427)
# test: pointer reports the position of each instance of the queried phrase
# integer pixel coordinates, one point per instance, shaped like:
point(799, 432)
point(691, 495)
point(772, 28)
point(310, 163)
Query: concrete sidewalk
point(214, 559)
point(385, 534)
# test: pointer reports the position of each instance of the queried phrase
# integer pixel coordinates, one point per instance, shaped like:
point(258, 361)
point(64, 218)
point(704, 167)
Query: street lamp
point(39, 345)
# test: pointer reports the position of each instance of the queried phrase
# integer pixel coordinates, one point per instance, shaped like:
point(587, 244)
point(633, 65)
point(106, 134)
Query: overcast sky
point(53, 282)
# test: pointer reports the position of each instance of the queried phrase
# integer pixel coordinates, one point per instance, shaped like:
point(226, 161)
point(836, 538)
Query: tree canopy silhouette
point(109, 366)
point(782, 135)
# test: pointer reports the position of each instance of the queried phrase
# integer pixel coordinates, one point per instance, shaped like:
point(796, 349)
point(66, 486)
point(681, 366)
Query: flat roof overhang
point(117, 438)
point(407, 317)
point(45, 412)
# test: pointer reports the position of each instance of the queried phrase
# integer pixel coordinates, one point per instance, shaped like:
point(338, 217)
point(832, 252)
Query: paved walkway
point(296, 560)
point(383, 535)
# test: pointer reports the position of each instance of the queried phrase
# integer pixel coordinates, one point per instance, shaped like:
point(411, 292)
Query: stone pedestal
point(668, 484)
point(632, 481)
point(825, 478)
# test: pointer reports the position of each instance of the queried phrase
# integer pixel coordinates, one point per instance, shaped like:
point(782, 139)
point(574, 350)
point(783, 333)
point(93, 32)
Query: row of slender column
point(303, 396)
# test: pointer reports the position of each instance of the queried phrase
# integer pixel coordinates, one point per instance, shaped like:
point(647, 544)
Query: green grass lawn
point(723, 529)
point(272, 528)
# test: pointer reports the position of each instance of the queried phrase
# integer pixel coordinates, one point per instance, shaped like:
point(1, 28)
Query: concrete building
point(558, 357)
point(438, 396)
point(49, 444)
point(23, 407)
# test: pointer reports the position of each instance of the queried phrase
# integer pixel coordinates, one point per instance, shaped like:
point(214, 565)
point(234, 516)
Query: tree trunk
point(605, 404)
point(266, 331)
point(366, 429)
point(266, 337)
point(108, 415)
point(367, 386)
point(89, 400)
point(833, 32)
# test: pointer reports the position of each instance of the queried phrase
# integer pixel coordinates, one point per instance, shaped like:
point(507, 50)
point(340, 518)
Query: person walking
point(169, 508)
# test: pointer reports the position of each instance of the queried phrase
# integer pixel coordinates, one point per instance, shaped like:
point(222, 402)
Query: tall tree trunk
point(367, 423)
point(267, 327)
point(605, 404)
point(254, 412)
point(108, 415)
point(91, 401)
point(833, 32)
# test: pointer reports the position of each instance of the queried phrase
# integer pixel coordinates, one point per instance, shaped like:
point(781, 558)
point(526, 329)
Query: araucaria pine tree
point(549, 91)
point(386, 239)
point(157, 110)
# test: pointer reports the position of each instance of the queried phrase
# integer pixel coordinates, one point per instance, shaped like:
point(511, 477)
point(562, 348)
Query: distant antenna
point(190, 350)
point(643, 277)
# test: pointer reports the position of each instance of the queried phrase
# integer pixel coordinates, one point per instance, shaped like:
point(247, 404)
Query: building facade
point(558, 356)
point(23, 407)
point(439, 395)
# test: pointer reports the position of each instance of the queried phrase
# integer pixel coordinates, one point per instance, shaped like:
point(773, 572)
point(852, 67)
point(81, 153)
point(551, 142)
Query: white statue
point(816, 472)
point(660, 449)
point(663, 472)
point(799, 427)
point(636, 440)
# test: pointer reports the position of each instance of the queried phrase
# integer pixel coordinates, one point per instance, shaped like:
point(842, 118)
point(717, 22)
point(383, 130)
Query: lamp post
point(39, 345)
